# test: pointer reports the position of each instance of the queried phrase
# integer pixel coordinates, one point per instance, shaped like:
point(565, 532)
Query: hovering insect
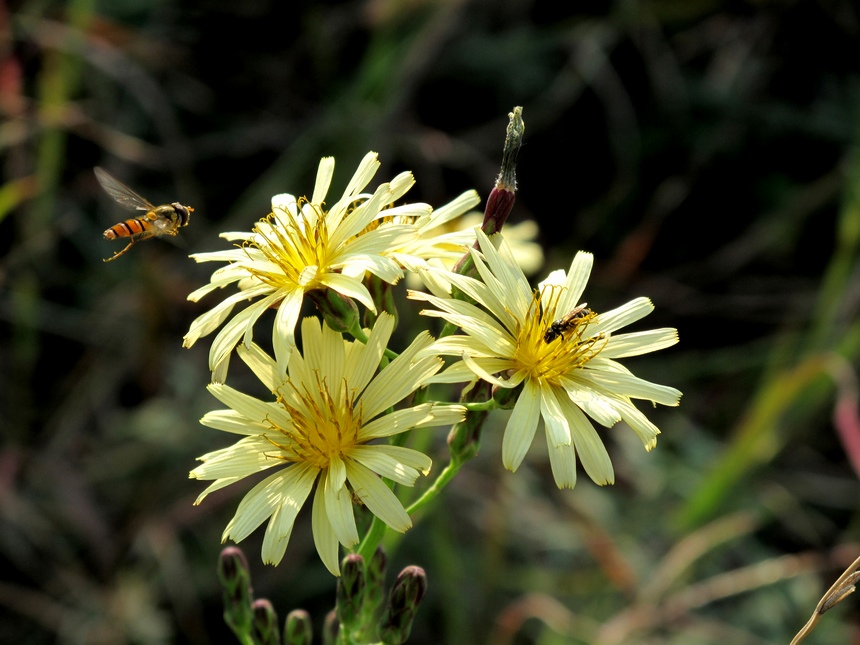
point(566, 323)
point(157, 220)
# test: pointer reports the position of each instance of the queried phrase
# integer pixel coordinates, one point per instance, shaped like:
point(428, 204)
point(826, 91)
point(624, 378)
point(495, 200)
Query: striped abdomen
point(130, 227)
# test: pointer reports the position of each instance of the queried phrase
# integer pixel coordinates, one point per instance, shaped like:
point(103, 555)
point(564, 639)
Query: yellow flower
point(566, 364)
point(318, 433)
point(302, 246)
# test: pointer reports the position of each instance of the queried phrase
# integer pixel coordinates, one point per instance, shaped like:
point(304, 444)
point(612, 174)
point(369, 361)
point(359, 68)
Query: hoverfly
point(566, 323)
point(157, 220)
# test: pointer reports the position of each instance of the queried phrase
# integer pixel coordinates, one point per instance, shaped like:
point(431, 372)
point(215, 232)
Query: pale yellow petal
point(378, 497)
point(521, 427)
point(324, 537)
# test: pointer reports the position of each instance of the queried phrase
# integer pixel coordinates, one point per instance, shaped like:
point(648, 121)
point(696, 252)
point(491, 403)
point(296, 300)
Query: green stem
point(466, 436)
point(378, 528)
point(481, 406)
point(442, 480)
point(358, 333)
point(374, 536)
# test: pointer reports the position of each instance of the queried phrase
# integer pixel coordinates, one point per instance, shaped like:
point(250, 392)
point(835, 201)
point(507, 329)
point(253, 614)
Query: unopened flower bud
point(500, 201)
point(350, 592)
point(235, 582)
point(331, 628)
point(297, 629)
point(339, 311)
point(406, 595)
point(265, 627)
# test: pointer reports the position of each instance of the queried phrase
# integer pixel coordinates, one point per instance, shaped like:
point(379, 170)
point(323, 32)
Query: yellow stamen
point(322, 426)
point(573, 349)
point(292, 243)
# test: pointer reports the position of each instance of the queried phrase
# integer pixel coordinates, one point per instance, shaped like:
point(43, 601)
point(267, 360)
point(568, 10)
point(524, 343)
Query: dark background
point(704, 151)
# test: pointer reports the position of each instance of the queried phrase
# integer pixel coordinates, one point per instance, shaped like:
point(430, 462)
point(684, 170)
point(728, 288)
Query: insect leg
point(143, 235)
point(119, 253)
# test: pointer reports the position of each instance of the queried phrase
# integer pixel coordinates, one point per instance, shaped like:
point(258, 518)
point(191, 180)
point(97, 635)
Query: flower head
point(301, 246)
point(317, 435)
point(561, 352)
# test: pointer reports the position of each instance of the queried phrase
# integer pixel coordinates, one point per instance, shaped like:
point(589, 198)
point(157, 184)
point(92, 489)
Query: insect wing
point(580, 312)
point(122, 193)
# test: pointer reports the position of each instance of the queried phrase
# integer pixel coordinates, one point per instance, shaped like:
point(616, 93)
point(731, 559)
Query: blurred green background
point(704, 151)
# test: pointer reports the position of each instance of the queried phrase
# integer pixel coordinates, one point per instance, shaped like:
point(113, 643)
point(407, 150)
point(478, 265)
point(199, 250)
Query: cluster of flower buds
point(363, 613)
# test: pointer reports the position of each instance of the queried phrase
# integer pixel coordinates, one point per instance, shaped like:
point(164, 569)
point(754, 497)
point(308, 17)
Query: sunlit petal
point(521, 427)
point(378, 497)
point(325, 539)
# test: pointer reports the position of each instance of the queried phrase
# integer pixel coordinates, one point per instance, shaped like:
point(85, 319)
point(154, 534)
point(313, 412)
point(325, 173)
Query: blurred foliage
point(705, 151)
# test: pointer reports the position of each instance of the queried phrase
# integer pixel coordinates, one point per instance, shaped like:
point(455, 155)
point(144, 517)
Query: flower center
point(322, 425)
point(295, 242)
point(553, 343)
